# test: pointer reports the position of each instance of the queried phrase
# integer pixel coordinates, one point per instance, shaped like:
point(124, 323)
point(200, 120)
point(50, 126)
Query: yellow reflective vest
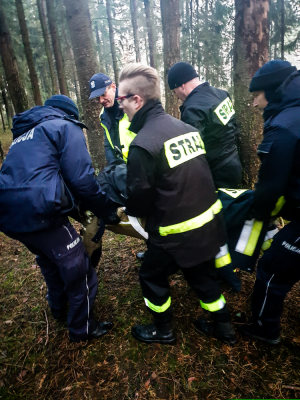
point(126, 136)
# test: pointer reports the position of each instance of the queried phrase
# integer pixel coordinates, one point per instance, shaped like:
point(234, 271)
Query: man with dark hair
point(169, 183)
point(211, 112)
point(46, 172)
point(276, 88)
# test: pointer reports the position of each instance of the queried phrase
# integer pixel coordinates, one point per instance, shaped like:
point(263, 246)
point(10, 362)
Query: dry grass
point(34, 364)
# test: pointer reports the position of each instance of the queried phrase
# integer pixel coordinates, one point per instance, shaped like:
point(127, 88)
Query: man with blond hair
point(169, 182)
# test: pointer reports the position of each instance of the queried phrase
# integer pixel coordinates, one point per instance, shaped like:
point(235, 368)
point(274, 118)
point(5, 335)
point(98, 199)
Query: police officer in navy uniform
point(211, 112)
point(117, 136)
point(169, 183)
point(276, 88)
point(47, 171)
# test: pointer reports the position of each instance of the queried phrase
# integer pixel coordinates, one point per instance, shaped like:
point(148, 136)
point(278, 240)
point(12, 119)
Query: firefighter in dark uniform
point(276, 88)
point(211, 112)
point(117, 136)
point(169, 183)
point(46, 172)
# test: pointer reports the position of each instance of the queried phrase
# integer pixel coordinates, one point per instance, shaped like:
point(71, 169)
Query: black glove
point(226, 274)
point(111, 218)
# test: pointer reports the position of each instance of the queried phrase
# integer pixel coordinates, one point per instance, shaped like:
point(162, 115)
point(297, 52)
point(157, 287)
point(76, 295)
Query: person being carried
point(169, 183)
point(276, 90)
point(46, 172)
point(211, 112)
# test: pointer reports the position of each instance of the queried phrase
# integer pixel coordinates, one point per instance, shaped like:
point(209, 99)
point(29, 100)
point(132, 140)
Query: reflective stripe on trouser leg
point(158, 309)
point(215, 305)
point(223, 257)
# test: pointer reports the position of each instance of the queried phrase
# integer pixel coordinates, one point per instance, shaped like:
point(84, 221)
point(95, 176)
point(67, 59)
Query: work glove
point(226, 274)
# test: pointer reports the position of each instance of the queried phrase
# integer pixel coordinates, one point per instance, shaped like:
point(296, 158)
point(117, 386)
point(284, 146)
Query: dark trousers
point(158, 265)
point(68, 273)
point(278, 270)
point(229, 176)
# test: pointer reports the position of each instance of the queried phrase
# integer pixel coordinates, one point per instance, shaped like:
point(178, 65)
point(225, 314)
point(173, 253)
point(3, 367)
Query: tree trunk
point(99, 47)
point(78, 17)
point(170, 17)
point(2, 119)
point(250, 53)
point(9, 61)
point(133, 13)
point(198, 38)
point(5, 102)
point(112, 42)
point(56, 48)
point(47, 45)
point(150, 33)
point(28, 53)
point(187, 21)
point(282, 29)
point(192, 34)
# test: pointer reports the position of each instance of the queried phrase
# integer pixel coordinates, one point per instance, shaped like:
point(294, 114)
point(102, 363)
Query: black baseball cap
point(98, 84)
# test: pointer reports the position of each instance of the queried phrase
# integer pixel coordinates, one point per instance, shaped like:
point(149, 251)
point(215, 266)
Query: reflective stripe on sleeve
point(249, 237)
point(280, 203)
point(223, 257)
point(126, 136)
point(107, 135)
point(214, 306)
point(193, 223)
point(158, 309)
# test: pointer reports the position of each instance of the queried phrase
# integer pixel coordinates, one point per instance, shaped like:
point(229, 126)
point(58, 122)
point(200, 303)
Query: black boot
point(221, 330)
point(151, 334)
point(256, 332)
point(98, 329)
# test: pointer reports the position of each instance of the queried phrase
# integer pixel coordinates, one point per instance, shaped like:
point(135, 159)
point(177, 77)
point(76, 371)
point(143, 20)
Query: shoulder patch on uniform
point(225, 111)
point(183, 148)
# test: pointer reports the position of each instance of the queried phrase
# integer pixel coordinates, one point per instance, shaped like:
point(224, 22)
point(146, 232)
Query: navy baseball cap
point(98, 84)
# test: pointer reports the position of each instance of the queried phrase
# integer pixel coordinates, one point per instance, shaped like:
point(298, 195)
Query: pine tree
point(15, 84)
point(251, 52)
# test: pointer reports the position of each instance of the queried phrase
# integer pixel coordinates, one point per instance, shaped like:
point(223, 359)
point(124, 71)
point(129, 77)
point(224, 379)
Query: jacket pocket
point(72, 261)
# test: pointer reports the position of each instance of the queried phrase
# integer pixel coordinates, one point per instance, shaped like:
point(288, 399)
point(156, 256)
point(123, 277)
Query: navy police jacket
point(47, 166)
point(278, 188)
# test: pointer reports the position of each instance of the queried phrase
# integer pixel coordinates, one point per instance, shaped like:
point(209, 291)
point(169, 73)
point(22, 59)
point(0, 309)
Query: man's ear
point(113, 85)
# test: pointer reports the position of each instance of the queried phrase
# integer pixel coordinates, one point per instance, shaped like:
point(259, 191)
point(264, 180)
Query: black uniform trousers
point(229, 176)
point(68, 273)
point(156, 268)
point(278, 270)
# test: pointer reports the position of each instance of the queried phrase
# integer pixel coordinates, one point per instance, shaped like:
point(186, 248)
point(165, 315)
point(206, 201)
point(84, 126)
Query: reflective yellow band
point(266, 245)
point(193, 223)
point(158, 309)
point(280, 203)
point(215, 306)
point(126, 136)
point(249, 237)
point(183, 148)
point(223, 257)
point(108, 135)
point(252, 242)
point(222, 261)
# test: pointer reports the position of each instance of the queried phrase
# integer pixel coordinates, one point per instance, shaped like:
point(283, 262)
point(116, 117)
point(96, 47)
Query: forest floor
point(38, 361)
